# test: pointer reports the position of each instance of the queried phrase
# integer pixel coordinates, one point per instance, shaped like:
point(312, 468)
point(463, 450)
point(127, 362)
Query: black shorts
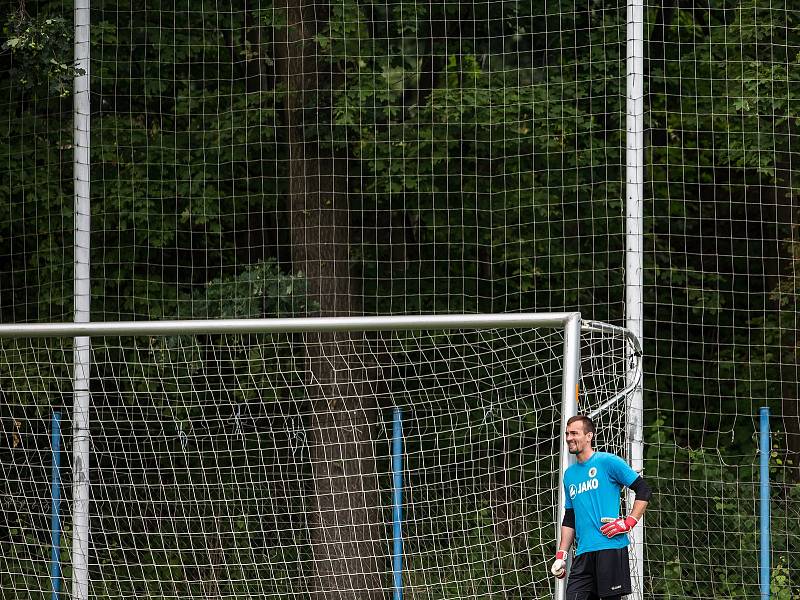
point(599, 574)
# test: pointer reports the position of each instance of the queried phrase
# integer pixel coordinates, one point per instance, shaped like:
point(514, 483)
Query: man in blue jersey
point(592, 488)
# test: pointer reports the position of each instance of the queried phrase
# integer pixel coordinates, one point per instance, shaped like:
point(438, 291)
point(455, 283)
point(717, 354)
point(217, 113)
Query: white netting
point(258, 158)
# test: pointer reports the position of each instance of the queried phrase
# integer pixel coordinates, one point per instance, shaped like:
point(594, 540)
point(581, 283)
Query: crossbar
point(286, 325)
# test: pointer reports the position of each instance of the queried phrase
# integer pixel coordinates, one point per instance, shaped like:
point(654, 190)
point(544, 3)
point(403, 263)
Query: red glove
point(559, 568)
point(618, 526)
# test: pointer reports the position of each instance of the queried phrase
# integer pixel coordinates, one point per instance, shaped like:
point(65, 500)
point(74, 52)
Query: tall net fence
point(281, 159)
point(234, 466)
point(435, 155)
point(722, 294)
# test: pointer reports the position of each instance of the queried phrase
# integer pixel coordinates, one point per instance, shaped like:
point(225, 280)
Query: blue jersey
point(592, 489)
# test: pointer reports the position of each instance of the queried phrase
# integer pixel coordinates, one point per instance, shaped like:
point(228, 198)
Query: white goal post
point(242, 456)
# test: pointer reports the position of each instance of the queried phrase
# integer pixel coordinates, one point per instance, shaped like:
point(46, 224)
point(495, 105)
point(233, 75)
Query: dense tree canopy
point(362, 157)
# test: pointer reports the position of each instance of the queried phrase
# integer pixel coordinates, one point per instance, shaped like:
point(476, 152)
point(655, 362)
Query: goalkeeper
point(592, 490)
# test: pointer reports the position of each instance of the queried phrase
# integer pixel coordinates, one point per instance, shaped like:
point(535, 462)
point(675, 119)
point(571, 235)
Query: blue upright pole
point(766, 450)
point(397, 503)
point(55, 563)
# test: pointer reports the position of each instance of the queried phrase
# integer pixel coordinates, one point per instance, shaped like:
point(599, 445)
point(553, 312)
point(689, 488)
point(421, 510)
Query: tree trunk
point(346, 527)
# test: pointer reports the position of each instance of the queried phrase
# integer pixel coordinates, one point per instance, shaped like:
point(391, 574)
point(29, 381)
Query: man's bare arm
point(567, 537)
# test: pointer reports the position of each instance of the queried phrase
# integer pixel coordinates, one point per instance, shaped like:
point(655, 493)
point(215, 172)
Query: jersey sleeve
point(620, 471)
point(567, 499)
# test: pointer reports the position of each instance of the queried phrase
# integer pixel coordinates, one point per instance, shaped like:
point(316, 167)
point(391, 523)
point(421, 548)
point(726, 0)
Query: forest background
point(446, 157)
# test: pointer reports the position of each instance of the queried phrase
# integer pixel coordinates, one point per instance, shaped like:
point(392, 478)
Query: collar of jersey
point(591, 458)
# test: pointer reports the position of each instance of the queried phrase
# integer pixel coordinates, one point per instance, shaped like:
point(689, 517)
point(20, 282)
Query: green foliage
point(485, 143)
point(262, 290)
point(437, 140)
point(42, 51)
point(723, 102)
point(719, 557)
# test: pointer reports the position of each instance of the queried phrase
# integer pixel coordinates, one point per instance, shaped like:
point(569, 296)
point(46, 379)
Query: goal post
point(232, 458)
point(570, 395)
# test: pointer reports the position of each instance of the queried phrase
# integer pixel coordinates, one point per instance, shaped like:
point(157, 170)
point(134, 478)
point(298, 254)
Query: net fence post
point(569, 408)
point(55, 526)
point(80, 471)
point(82, 293)
point(397, 503)
point(764, 540)
point(634, 252)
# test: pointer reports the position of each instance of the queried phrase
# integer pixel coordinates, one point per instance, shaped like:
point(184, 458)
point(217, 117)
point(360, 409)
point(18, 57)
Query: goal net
point(350, 464)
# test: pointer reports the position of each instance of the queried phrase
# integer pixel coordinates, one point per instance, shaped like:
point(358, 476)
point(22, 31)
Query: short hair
point(586, 422)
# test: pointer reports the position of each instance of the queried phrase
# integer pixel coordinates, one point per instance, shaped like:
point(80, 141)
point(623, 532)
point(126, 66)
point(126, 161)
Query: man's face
point(577, 439)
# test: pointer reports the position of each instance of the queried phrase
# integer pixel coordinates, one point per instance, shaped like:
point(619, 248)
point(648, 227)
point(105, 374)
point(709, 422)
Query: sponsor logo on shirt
point(589, 484)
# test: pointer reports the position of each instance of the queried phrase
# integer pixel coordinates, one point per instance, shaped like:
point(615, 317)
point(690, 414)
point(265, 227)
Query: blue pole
point(397, 503)
point(766, 450)
point(55, 563)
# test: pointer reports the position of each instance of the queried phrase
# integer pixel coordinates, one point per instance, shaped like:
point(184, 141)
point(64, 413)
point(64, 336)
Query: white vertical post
point(82, 293)
point(634, 250)
point(569, 408)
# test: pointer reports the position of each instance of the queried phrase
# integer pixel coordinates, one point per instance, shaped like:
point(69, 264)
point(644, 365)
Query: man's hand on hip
point(618, 526)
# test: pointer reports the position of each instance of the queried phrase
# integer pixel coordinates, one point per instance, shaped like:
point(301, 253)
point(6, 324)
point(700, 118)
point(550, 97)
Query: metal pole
point(397, 502)
point(634, 252)
point(766, 450)
point(569, 408)
point(287, 325)
point(82, 293)
point(55, 527)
